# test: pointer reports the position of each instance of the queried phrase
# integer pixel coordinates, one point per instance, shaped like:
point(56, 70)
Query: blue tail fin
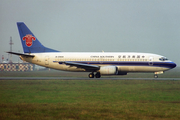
point(29, 42)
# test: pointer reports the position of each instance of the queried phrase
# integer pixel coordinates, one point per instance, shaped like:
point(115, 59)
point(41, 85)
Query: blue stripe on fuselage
point(128, 63)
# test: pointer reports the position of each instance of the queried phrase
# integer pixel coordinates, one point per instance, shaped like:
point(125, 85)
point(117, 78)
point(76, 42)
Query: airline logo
point(29, 40)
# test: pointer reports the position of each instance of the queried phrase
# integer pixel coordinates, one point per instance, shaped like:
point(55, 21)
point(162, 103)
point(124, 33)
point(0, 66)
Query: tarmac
point(81, 78)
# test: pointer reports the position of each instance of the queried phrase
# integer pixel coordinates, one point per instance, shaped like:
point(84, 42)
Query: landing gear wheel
point(155, 76)
point(91, 75)
point(98, 75)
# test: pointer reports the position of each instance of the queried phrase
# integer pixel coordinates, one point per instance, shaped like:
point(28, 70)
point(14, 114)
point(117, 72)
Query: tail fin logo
point(29, 40)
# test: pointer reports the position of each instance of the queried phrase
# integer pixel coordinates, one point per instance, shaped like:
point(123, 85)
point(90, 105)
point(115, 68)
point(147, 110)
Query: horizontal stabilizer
point(21, 54)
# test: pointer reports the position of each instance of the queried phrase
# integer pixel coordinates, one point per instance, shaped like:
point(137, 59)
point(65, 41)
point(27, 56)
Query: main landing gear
point(97, 75)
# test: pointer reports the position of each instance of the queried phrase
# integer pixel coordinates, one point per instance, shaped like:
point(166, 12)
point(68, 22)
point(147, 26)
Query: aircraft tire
point(91, 75)
point(98, 75)
point(155, 76)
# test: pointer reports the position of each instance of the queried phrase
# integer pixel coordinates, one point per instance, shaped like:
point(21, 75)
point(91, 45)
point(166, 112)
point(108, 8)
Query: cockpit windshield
point(163, 59)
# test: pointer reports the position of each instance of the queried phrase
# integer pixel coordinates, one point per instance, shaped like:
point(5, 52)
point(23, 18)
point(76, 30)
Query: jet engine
point(108, 70)
point(111, 70)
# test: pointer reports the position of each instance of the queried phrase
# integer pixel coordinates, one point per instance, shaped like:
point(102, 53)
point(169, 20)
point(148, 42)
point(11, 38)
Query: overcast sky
point(151, 26)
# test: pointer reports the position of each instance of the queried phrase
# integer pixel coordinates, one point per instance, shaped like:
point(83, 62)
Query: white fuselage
point(124, 61)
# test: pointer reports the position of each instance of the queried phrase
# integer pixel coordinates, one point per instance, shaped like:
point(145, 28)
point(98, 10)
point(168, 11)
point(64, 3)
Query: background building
point(17, 67)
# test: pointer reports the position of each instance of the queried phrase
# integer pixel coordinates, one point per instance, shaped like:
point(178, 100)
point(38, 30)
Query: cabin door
point(151, 61)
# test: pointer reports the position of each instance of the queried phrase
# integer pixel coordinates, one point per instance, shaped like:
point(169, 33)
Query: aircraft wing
point(87, 67)
point(26, 55)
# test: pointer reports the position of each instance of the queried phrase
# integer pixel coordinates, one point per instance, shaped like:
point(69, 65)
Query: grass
point(89, 99)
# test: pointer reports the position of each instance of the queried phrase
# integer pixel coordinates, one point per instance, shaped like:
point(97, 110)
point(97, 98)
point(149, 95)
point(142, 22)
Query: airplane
point(97, 63)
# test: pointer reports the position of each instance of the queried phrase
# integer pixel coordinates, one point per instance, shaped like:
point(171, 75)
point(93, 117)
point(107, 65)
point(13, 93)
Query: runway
point(81, 78)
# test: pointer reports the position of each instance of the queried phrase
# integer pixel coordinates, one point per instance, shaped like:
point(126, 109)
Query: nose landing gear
point(155, 76)
point(156, 73)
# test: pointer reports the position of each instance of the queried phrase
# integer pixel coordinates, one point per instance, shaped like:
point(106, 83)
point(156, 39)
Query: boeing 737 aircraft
point(97, 63)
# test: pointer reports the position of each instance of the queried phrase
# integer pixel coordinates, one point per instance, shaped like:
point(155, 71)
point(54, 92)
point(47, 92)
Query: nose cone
point(172, 65)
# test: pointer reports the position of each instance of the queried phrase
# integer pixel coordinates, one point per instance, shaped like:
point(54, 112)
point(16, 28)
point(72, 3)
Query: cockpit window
point(163, 59)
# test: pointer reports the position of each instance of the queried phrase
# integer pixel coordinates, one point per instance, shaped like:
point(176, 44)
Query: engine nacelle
point(108, 70)
point(111, 70)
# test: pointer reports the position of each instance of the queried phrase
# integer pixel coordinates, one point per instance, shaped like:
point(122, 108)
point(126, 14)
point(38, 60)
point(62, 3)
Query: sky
point(150, 26)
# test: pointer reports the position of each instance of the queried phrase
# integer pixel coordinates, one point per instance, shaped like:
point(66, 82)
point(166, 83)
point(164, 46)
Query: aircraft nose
point(173, 65)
